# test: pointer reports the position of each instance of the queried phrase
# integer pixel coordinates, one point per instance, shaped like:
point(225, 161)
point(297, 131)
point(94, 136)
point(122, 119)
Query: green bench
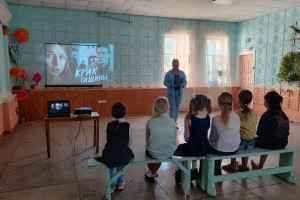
point(283, 171)
point(184, 163)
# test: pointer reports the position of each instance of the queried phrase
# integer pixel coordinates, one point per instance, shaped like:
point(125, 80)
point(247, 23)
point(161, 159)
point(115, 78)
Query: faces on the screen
point(56, 59)
point(104, 56)
point(58, 106)
point(98, 54)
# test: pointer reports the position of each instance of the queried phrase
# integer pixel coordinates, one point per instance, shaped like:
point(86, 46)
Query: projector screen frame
point(96, 85)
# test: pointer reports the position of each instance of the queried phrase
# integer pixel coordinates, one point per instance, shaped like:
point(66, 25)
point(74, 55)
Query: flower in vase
point(24, 75)
point(22, 94)
point(37, 77)
point(21, 35)
point(15, 72)
point(21, 76)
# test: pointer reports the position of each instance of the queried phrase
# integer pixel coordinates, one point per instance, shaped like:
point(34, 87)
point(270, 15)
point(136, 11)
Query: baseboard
point(2, 136)
point(12, 130)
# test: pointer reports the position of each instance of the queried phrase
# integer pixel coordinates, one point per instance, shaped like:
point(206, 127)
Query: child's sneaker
point(120, 186)
point(150, 177)
point(112, 188)
point(232, 168)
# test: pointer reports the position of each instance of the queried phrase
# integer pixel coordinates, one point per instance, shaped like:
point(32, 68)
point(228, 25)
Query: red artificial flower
point(16, 71)
point(21, 35)
point(22, 94)
point(37, 77)
point(24, 75)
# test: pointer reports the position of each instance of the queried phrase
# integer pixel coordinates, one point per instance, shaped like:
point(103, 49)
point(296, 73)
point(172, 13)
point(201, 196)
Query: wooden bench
point(283, 171)
point(184, 163)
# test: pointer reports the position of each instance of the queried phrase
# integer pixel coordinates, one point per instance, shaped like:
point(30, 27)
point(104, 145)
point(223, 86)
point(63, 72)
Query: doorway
point(246, 65)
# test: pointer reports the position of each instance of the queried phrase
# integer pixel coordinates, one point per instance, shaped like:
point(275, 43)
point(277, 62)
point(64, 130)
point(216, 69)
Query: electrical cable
point(5, 181)
point(19, 131)
point(72, 138)
point(80, 126)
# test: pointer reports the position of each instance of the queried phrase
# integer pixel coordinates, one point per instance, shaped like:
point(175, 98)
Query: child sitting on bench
point(273, 127)
point(160, 136)
point(224, 135)
point(196, 125)
point(248, 130)
point(116, 152)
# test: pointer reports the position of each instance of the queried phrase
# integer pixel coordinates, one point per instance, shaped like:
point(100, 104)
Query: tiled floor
point(27, 173)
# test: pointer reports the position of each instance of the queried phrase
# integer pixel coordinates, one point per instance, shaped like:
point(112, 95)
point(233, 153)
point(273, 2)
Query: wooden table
point(93, 117)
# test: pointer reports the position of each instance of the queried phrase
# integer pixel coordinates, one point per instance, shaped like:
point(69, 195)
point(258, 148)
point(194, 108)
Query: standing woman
point(175, 81)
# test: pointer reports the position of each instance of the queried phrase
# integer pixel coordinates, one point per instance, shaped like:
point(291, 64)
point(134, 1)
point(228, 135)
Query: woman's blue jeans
point(111, 172)
point(175, 102)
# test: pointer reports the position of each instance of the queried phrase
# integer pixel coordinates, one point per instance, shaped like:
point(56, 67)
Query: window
point(175, 46)
point(217, 60)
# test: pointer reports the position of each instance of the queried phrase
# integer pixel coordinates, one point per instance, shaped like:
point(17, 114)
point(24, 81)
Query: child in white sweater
point(224, 135)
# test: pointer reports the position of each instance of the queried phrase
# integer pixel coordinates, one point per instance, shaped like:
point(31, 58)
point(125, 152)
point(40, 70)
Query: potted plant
point(289, 68)
point(296, 30)
point(290, 65)
point(220, 73)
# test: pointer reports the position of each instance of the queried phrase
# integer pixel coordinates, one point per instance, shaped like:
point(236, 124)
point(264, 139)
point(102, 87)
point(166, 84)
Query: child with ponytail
point(116, 152)
point(248, 130)
point(196, 125)
point(224, 135)
point(161, 133)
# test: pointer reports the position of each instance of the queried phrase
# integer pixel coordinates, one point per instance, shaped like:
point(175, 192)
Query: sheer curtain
point(217, 61)
point(177, 46)
point(209, 57)
point(208, 69)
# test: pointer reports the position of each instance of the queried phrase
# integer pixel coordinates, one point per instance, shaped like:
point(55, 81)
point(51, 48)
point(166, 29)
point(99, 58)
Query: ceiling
point(219, 10)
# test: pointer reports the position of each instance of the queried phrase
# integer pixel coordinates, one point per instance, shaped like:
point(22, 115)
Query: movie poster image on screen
point(78, 64)
point(60, 108)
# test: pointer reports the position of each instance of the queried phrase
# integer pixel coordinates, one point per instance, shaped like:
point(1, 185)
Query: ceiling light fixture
point(224, 2)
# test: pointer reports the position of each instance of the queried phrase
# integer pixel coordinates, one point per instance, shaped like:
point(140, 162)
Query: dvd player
point(83, 111)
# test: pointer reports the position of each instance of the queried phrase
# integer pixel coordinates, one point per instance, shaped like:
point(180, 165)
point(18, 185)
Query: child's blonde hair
point(161, 105)
point(198, 103)
point(225, 104)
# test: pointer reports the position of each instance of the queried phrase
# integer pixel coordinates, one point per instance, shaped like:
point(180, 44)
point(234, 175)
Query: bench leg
point(287, 159)
point(185, 167)
point(210, 185)
point(186, 178)
point(107, 177)
point(110, 180)
point(202, 182)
